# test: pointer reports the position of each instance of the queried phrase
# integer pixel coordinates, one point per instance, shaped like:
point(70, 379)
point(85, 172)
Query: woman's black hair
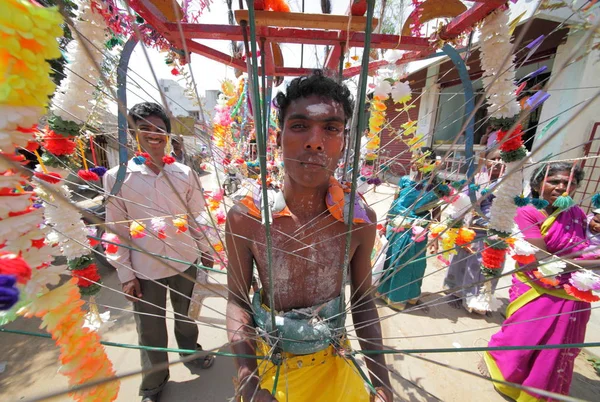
point(315, 84)
point(143, 110)
point(537, 177)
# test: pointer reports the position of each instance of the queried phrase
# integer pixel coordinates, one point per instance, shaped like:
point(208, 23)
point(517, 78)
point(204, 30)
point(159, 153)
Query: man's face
point(595, 224)
point(312, 139)
point(152, 135)
point(176, 145)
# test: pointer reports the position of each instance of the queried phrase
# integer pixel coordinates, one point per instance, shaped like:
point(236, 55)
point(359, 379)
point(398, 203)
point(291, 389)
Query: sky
point(207, 73)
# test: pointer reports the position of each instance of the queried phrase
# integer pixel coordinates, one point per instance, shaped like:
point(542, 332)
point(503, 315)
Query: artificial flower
point(88, 175)
point(58, 144)
point(86, 276)
point(9, 294)
point(401, 92)
point(12, 264)
point(110, 243)
point(586, 296)
point(585, 280)
point(552, 267)
point(180, 223)
point(137, 230)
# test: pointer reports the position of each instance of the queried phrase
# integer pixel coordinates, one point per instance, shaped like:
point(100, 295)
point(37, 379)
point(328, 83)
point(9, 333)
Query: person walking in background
point(411, 211)
point(464, 273)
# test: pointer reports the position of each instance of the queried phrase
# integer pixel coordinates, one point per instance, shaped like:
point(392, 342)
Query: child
point(593, 236)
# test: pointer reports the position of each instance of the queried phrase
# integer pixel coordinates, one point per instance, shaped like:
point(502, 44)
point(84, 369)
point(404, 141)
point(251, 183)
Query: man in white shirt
point(154, 201)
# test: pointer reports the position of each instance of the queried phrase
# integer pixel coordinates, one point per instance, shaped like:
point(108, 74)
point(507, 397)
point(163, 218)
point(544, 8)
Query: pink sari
point(564, 322)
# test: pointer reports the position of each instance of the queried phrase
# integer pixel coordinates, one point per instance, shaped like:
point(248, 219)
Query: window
point(166, 89)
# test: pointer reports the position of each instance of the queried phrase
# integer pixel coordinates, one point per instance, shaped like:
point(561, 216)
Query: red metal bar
point(156, 19)
point(469, 18)
point(215, 55)
point(296, 35)
point(269, 61)
point(333, 58)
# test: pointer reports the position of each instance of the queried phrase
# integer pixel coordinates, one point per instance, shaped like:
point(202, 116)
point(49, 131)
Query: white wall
point(570, 87)
point(178, 103)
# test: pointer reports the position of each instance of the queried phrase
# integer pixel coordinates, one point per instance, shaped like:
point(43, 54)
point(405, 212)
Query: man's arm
point(240, 324)
point(364, 310)
point(196, 204)
point(116, 211)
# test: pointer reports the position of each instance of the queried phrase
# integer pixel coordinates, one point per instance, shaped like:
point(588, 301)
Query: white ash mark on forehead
point(317, 109)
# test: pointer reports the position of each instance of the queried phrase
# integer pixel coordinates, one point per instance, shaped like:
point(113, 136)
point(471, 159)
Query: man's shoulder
point(239, 220)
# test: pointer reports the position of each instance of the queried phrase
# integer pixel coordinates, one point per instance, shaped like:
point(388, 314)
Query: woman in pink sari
point(544, 311)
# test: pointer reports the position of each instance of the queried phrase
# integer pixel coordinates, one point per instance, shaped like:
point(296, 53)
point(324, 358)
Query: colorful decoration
point(82, 356)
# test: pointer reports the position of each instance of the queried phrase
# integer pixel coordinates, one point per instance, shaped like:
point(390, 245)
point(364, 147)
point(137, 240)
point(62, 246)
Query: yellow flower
point(409, 127)
point(347, 64)
point(28, 35)
point(378, 105)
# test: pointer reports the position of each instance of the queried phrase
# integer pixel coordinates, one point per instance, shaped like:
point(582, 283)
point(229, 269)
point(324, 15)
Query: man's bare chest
point(307, 260)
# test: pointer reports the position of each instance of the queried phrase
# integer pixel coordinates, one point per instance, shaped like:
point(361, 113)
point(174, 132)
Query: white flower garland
point(504, 209)
point(69, 229)
point(495, 45)
point(73, 98)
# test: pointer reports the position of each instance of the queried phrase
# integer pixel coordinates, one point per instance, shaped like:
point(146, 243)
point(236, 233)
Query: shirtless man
point(308, 246)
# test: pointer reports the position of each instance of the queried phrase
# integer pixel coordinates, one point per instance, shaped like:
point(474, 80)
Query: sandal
point(203, 362)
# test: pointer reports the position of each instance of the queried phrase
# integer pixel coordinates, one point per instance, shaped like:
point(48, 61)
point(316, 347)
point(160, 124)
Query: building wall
point(177, 101)
point(571, 111)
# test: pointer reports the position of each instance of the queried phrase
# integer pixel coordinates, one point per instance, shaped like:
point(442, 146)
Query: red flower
point(493, 258)
point(524, 259)
point(32, 146)
point(12, 264)
point(544, 280)
point(88, 175)
point(38, 243)
point(58, 144)
point(168, 160)
point(93, 242)
point(50, 177)
point(514, 142)
point(87, 275)
point(175, 71)
point(586, 296)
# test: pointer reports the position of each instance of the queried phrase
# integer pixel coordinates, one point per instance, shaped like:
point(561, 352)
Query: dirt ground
point(31, 368)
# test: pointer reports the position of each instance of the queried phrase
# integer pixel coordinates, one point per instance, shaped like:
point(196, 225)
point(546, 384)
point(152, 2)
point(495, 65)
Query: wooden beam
point(306, 20)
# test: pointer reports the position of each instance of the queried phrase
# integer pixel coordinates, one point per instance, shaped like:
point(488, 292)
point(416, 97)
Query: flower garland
point(28, 35)
point(82, 356)
point(74, 98)
point(400, 93)
point(501, 98)
point(26, 244)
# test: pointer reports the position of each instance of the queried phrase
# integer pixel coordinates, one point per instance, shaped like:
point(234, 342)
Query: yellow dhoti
point(320, 376)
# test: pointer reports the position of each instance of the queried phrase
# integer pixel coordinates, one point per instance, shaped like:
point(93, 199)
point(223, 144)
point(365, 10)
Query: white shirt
point(145, 195)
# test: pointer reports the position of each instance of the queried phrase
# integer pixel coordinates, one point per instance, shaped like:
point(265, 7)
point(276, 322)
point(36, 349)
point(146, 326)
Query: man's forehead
point(315, 106)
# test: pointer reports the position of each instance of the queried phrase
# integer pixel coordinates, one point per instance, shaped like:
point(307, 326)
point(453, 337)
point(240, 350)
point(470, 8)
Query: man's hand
point(207, 260)
point(382, 395)
point(252, 392)
point(133, 290)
